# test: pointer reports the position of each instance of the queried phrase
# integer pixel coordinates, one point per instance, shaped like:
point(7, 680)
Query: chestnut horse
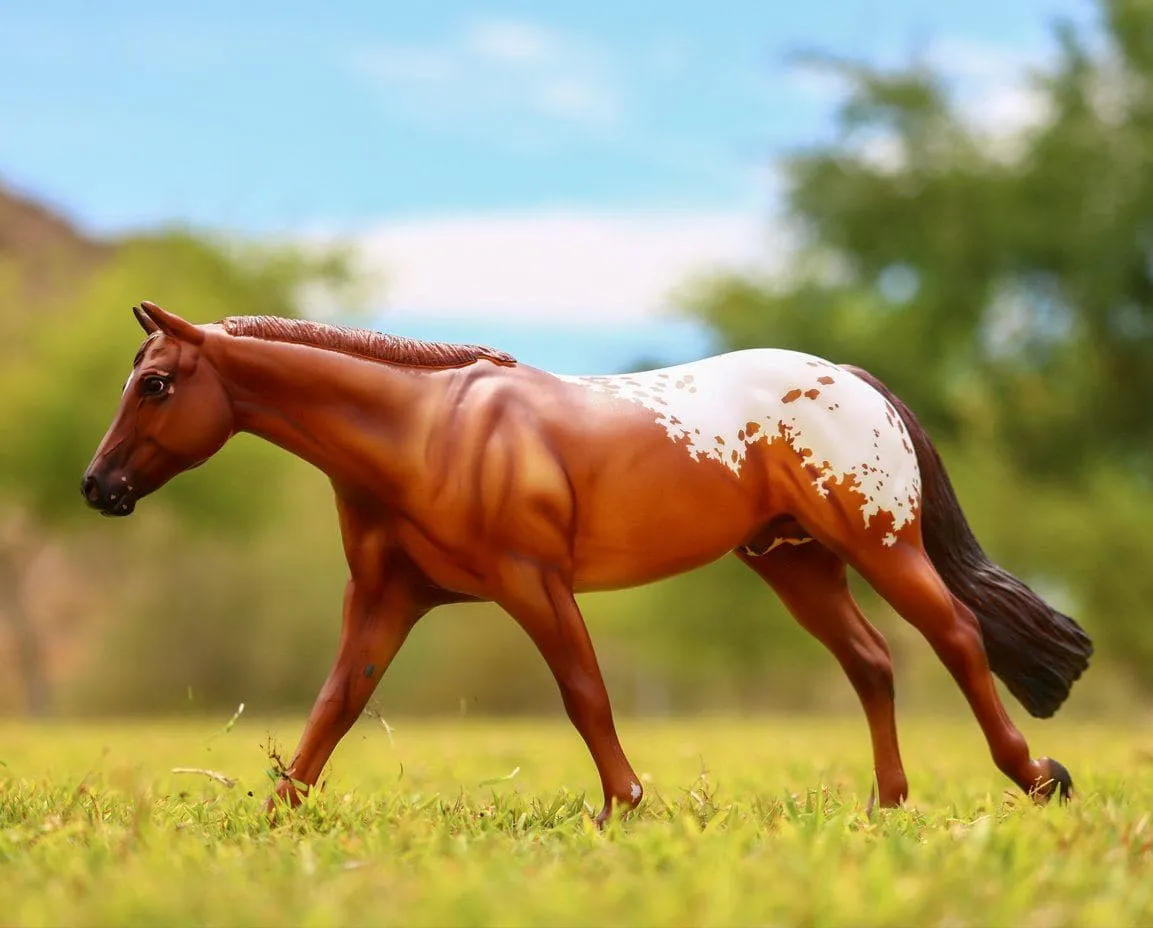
point(460, 474)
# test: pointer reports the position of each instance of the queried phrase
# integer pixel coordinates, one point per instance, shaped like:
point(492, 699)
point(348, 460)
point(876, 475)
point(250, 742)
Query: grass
point(466, 822)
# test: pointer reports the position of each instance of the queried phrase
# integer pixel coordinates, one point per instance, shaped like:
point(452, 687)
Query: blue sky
point(545, 170)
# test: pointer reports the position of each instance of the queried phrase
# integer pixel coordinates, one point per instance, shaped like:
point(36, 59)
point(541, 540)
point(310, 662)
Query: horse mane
point(362, 343)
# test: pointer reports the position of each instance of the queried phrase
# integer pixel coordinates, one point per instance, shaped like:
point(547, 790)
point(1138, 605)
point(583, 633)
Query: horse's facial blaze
point(174, 414)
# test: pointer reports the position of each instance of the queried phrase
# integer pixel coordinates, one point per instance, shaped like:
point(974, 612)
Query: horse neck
point(355, 420)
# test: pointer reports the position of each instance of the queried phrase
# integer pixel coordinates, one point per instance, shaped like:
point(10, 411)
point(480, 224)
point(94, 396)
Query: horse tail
point(1038, 652)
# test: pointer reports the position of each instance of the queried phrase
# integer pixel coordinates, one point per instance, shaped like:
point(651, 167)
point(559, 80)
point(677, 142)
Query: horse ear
point(171, 324)
point(145, 321)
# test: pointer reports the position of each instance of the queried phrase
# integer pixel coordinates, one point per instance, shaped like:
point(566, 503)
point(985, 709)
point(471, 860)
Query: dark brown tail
point(1038, 652)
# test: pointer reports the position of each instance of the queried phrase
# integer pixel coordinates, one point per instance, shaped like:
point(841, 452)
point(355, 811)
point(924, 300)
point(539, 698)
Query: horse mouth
point(124, 506)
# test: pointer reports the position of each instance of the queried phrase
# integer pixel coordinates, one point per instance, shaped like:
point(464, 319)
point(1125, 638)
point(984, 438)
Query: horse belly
point(658, 520)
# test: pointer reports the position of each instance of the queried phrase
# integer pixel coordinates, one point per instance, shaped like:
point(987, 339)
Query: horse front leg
point(377, 619)
point(542, 603)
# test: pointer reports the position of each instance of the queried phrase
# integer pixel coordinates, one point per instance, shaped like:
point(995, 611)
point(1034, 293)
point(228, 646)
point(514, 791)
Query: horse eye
point(153, 386)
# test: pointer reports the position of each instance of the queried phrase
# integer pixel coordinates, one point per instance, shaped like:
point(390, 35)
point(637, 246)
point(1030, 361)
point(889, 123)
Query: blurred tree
point(1002, 282)
point(61, 387)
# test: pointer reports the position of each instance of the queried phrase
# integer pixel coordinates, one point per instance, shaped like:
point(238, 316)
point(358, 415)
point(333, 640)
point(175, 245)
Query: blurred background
point(958, 197)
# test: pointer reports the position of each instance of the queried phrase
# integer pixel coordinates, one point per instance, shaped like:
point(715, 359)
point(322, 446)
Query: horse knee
point(960, 645)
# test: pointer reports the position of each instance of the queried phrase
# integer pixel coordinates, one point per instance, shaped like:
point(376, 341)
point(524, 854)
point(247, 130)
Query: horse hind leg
point(810, 580)
point(904, 575)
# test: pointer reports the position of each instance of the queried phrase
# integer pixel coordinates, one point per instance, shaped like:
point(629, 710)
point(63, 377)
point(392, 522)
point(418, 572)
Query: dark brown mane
point(362, 343)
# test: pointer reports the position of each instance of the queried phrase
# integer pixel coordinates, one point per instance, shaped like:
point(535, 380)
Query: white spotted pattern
point(716, 409)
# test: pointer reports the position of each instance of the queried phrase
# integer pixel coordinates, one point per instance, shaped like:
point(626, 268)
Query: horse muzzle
point(109, 497)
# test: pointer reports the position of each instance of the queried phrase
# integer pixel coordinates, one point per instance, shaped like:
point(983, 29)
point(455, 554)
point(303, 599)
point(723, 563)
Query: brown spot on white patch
point(826, 380)
point(719, 440)
point(813, 393)
point(791, 396)
point(752, 428)
point(740, 435)
point(735, 456)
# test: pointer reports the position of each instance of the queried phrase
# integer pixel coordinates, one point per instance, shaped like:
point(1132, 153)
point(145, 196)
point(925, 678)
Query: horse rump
point(1037, 651)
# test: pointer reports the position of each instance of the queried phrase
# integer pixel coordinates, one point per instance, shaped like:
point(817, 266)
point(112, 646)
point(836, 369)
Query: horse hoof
point(285, 797)
point(1059, 782)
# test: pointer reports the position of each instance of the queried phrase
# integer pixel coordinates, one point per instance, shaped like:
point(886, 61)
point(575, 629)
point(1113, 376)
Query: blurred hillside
point(43, 258)
point(45, 252)
point(1000, 280)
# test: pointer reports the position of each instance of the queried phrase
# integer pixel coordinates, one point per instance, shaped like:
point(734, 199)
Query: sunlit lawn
point(474, 822)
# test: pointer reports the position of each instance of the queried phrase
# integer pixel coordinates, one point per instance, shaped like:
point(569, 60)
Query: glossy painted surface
point(722, 408)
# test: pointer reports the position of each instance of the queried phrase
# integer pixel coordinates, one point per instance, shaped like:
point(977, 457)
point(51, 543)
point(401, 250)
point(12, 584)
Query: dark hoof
point(1059, 782)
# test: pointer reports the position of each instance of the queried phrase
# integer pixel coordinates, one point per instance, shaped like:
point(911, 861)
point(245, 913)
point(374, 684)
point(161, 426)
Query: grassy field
point(464, 822)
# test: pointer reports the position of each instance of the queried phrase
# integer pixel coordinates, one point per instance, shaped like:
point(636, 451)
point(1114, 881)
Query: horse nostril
point(90, 489)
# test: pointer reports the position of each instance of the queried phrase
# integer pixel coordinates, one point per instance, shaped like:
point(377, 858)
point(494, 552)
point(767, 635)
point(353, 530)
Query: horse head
point(174, 414)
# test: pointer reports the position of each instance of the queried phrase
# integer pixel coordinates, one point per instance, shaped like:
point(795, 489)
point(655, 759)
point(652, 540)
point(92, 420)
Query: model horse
point(460, 474)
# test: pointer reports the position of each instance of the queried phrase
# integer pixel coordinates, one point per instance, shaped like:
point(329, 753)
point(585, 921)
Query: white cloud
point(993, 84)
point(513, 41)
point(582, 100)
point(398, 65)
point(558, 264)
point(883, 151)
point(494, 72)
point(980, 61)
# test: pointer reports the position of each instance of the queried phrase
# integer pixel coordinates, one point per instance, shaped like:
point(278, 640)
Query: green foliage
point(1023, 260)
point(467, 823)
